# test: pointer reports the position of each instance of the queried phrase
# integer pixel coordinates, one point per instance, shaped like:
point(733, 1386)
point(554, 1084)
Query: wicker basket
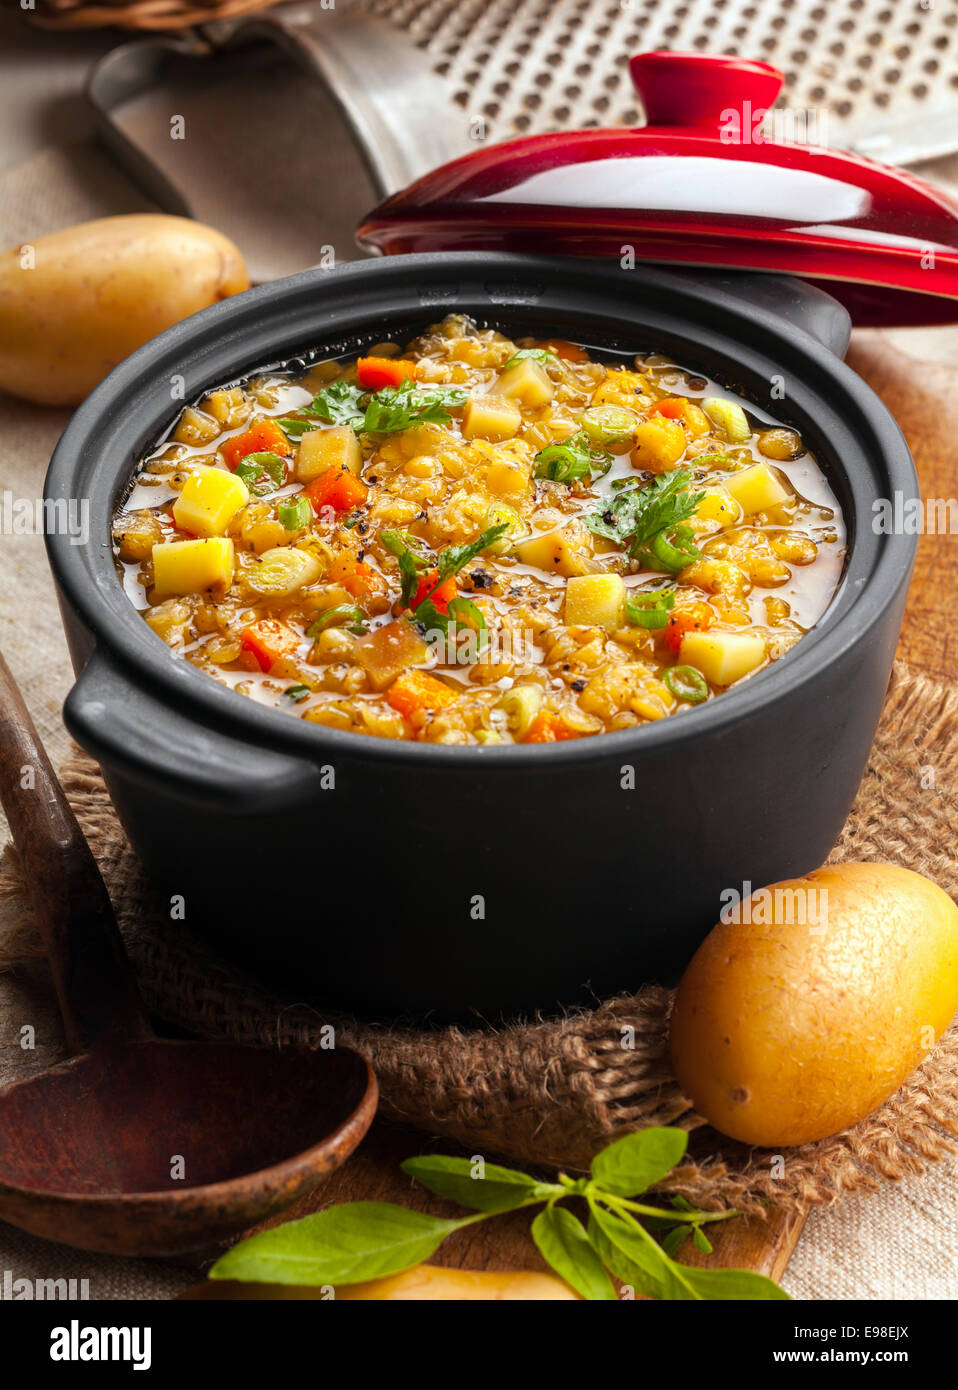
point(134, 14)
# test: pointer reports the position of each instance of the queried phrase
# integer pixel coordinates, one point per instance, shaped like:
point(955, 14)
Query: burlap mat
point(552, 1092)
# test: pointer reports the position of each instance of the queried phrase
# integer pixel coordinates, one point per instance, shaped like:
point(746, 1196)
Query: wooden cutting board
point(911, 373)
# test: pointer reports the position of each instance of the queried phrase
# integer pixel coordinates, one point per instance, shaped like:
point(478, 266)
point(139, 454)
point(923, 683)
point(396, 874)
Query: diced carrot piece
point(355, 576)
point(673, 408)
point(694, 618)
point(442, 594)
point(548, 728)
point(687, 412)
point(336, 488)
point(374, 372)
point(262, 437)
point(569, 352)
point(415, 692)
point(268, 640)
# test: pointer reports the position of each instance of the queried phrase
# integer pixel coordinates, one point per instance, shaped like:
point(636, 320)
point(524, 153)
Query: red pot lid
point(698, 185)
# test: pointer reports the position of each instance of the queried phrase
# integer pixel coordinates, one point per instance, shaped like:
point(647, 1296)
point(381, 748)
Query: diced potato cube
point(210, 499)
point(528, 383)
point(553, 550)
point(659, 444)
point(190, 567)
point(716, 509)
point(757, 488)
point(230, 408)
point(595, 600)
point(722, 657)
point(195, 427)
point(388, 651)
point(507, 480)
point(491, 417)
point(320, 450)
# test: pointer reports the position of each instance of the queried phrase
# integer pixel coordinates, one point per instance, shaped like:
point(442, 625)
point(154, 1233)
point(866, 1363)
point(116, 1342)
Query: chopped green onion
point(671, 556)
point(465, 614)
point(262, 473)
point(608, 424)
point(685, 683)
point(650, 610)
point(570, 460)
point(295, 514)
point(297, 692)
point(528, 355)
point(343, 615)
point(728, 416)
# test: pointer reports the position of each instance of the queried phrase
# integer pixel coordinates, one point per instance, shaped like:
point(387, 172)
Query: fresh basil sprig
point(357, 1241)
point(262, 473)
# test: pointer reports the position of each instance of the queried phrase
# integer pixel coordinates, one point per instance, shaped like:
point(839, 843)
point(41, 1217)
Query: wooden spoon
point(139, 1145)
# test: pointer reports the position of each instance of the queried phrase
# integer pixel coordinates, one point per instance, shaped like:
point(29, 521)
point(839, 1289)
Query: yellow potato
point(425, 1283)
point(75, 303)
point(791, 1029)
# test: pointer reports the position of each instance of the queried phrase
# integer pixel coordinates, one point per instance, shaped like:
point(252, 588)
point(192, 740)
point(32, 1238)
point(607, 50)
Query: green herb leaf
point(295, 429)
point(262, 473)
point(638, 514)
point(564, 1245)
point(529, 355)
point(572, 459)
point(295, 513)
point(343, 615)
point(673, 1241)
point(341, 1245)
point(339, 403)
point(700, 1240)
point(631, 1254)
point(395, 408)
point(455, 557)
point(499, 1189)
point(731, 1285)
point(297, 693)
point(636, 1162)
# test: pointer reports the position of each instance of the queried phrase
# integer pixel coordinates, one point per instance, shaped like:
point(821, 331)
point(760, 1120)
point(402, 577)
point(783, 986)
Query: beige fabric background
point(898, 1244)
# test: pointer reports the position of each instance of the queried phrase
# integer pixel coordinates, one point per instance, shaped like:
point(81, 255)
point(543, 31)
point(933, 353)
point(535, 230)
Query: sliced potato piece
point(282, 571)
point(722, 657)
point(595, 600)
point(559, 551)
point(528, 383)
point(190, 567)
point(757, 488)
point(209, 500)
point(320, 450)
point(491, 417)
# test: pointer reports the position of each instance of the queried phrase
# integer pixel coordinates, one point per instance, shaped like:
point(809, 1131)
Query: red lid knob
point(701, 89)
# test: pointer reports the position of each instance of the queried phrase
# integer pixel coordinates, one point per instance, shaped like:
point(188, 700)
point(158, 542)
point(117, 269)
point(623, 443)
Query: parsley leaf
point(454, 557)
point(639, 515)
point(339, 403)
point(395, 408)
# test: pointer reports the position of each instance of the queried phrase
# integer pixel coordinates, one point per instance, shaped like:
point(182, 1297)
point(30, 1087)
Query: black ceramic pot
point(399, 878)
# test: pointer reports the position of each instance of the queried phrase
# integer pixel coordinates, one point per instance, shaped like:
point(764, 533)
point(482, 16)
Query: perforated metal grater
point(885, 71)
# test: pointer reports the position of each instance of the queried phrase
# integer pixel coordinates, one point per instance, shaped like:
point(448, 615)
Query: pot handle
point(125, 727)
point(805, 306)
